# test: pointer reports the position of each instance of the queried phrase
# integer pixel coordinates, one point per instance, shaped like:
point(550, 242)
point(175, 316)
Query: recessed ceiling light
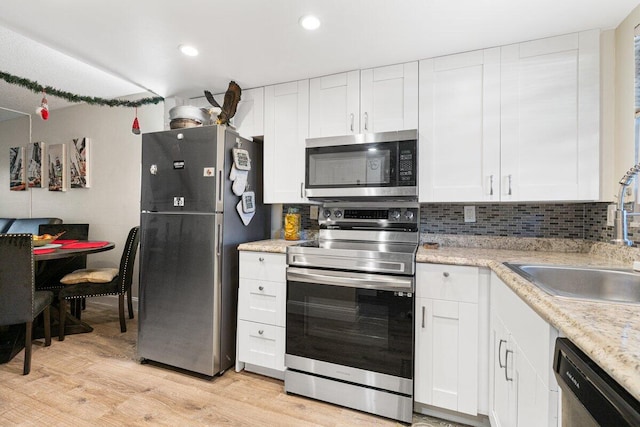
point(188, 50)
point(309, 22)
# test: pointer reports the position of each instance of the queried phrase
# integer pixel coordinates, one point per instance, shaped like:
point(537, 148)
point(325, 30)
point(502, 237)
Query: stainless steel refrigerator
point(191, 228)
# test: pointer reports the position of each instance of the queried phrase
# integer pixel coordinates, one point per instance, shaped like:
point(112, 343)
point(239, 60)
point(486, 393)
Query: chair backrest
point(125, 276)
point(16, 279)
point(56, 269)
point(30, 225)
point(71, 231)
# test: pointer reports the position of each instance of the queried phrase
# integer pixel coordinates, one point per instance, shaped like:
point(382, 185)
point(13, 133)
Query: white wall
point(111, 206)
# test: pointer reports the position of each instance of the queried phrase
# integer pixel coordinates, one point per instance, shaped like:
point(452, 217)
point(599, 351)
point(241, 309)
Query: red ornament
point(135, 128)
point(43, 109)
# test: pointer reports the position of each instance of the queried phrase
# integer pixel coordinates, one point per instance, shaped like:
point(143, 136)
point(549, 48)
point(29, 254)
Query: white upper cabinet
point(249, 117)
point(460, 127)
point(550, 118)
point(334, 105)
point(373, 100)
point(516, 123)
point(389, 98)
point(286, 126)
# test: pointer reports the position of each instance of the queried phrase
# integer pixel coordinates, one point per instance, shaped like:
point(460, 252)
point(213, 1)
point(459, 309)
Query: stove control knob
point(395, 215)
point(408, 215)
point(337, 213)
point(326, 213)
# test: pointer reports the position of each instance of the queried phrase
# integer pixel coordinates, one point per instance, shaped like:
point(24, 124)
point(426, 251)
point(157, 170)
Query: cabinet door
point(502, 388)
point(460, 127)
point(533, 397)
point(286, 119)
point(447, 355)
point(550, 118)
point(334, 105)
point(389, 98)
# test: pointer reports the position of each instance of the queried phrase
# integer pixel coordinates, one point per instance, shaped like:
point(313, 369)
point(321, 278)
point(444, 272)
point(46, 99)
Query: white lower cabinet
point(449, 352)
point(523, 390)
point(261, 313)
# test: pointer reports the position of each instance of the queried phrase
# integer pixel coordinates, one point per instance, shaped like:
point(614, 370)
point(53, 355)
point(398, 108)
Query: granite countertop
point(608, 332)
point(278, 246)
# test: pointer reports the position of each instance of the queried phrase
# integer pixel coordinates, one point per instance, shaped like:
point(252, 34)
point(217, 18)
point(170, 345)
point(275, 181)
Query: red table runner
point(84, 245)
point(43, 251)
point(64, 242)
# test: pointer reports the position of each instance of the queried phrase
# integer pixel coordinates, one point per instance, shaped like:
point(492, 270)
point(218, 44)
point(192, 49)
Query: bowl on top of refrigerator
point(185, 116)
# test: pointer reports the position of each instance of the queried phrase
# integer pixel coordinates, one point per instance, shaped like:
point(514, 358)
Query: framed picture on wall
point(16, 169)
point(35, 157)
point(57, 166)
point(79, 163)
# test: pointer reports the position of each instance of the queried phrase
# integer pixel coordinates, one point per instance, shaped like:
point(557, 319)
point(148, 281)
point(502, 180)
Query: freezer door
point(182, 170)
point(179, 306)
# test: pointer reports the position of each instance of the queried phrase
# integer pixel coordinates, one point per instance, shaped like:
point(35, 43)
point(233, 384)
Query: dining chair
point(20, 302)
point(52, 271)
point(87, 283)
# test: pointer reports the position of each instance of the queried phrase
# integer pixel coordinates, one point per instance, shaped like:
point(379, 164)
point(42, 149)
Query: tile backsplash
point(551, 220)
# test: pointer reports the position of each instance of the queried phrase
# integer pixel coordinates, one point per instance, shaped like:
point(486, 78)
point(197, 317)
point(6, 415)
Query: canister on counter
point(292, 224)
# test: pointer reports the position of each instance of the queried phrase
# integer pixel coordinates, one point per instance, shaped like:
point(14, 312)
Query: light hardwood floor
point(95, 379)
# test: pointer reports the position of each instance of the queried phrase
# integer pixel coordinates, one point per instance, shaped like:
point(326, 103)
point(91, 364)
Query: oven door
point(344, 319)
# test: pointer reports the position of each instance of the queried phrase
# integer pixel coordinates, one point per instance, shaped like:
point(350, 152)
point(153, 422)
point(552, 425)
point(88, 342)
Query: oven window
point(360, 328)
point(339, 167)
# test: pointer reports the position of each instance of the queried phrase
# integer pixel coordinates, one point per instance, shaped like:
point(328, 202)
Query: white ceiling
point(117, 48)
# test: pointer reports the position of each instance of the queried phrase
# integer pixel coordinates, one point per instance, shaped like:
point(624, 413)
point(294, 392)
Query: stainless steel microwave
point(381, 164)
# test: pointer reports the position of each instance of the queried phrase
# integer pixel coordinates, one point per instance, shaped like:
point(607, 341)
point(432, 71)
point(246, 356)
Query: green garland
point(37, 87)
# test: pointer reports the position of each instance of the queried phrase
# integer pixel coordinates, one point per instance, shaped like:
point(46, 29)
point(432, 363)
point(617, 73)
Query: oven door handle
point(352, 280)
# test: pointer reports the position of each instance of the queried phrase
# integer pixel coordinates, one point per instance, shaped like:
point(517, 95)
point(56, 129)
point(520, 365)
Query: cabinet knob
point(261, 259)
point(445, 274)
point(260, 332)
point(261, 288)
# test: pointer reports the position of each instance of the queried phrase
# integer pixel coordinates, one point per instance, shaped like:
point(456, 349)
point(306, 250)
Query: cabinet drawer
point(262, 301)
point(263, 266)
point(261, 345)
point(447, 282)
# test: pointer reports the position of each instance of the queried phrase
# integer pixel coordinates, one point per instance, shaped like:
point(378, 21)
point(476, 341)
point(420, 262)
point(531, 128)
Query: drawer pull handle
point(500, 354)
point(261, 259)
point(445, 274)
point(261, 288)
point(260, 332)
point(506, 362)
point(423, 317)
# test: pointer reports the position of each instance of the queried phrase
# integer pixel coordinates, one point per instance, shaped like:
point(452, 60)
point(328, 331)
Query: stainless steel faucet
point(620, 220)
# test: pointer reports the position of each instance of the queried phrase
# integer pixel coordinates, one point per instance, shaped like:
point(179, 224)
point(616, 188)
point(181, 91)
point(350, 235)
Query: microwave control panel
point(407, 174)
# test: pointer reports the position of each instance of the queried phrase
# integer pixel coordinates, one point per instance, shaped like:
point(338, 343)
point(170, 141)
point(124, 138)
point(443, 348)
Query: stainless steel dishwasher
point(590, 397)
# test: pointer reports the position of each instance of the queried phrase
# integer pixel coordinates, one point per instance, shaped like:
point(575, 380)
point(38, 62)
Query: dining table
point(12, 337)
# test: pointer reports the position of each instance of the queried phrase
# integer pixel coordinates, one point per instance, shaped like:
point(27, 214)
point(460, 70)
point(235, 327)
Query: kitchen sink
point(597, 284)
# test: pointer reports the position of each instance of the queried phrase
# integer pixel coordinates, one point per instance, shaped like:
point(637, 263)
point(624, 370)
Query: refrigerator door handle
point(219, 234)
point(220, 177)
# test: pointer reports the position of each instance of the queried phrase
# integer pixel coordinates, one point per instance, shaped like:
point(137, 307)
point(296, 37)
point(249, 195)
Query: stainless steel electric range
point(350, 307)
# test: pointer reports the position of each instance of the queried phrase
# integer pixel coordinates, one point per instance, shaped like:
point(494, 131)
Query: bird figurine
point(231, 99)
